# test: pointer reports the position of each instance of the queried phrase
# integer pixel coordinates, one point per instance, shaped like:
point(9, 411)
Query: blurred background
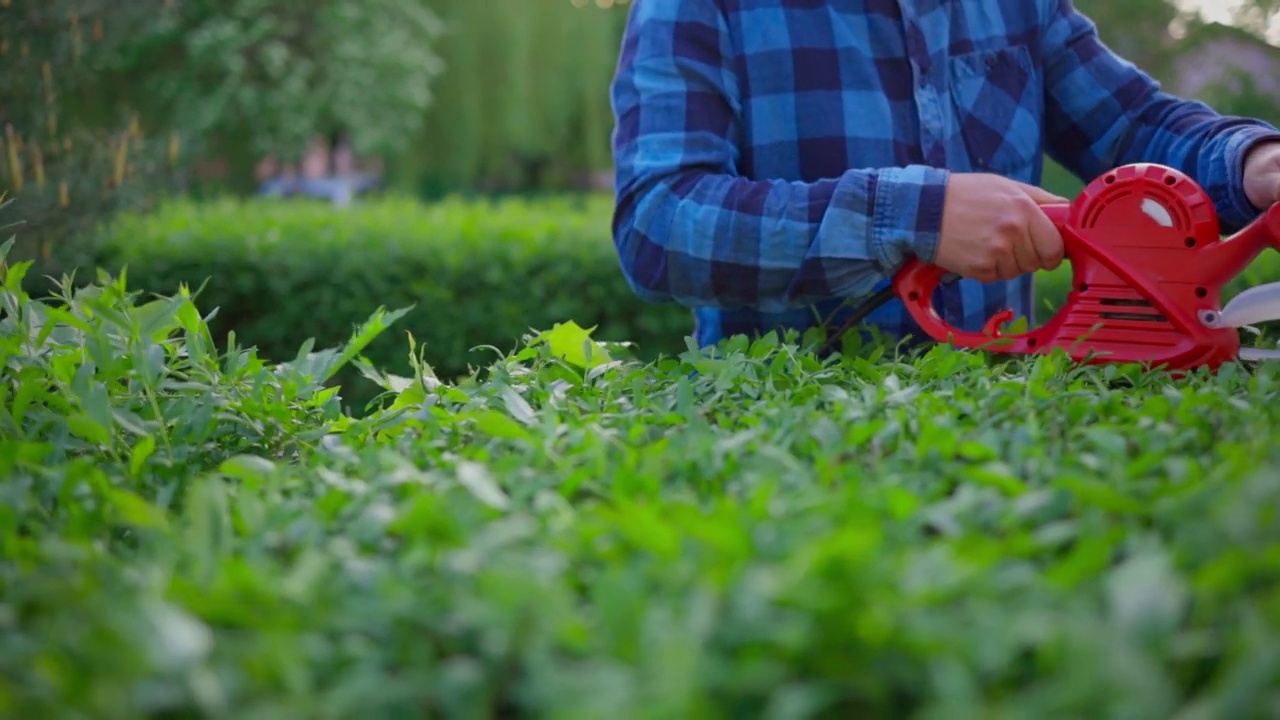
point(110, 103)
point(305, 161)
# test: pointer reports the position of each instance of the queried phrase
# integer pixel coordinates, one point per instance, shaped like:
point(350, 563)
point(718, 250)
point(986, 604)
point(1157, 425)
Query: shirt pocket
point(998, 101)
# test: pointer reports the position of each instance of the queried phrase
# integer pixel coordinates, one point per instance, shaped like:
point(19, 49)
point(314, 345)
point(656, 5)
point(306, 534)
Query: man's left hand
point(1262, 175)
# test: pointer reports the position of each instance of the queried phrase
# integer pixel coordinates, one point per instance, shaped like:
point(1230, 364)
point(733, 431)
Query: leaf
point(1018, 326)
point(205, 527)
point(143, 448)
point(16, 272)
point(997, 475)
point(763, 345)
point(1100, 495)
point(1145, 594)
point(494, 423)
point(519, 408)
point(385, 380)
point(247, 467)
point(1090, 556)
point(571, 343)
point(96, 401)
point(158, 317)
point(378, 322)
point(977, 451)
point(902, 503)
point(477, 479)
point(178, 639)
point(411, 396)
point(189, 318)
point(323, 365)
point(135, 510)
point(153, 363)
point(88, 429)
point(25, 398)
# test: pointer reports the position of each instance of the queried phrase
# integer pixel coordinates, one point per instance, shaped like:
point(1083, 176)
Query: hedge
point(188, 533)
point(478, 273)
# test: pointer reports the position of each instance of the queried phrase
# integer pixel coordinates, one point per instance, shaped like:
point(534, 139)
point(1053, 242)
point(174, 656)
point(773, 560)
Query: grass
point(192, 532)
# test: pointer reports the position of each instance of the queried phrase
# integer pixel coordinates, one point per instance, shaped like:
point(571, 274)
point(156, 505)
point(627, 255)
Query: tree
point(256, 77)
point(103, 103)
point(1256, 15)
point(524, 102)
point(71, 150)
point(1138, 30)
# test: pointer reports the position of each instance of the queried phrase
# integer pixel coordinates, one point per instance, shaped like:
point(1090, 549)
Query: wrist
point(1260, 166)
point(908, 213)
point(1230, 172)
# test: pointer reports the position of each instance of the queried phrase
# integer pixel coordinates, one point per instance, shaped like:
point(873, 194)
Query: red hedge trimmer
point(1148, 264)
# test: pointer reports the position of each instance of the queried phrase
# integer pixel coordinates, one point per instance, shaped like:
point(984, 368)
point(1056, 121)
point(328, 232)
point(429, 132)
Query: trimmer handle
point(916, 281)
point(1149, 265)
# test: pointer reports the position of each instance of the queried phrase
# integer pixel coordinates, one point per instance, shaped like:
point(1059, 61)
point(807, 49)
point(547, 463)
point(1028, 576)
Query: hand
point(1262, 175)
point(993, 228)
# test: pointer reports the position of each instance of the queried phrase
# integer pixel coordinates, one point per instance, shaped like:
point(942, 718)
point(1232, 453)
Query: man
point(777, 159)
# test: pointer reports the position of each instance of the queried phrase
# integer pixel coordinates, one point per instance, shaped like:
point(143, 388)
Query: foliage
point(73, 149)
point(1255, 16)
point(1138, 30)
point(188, 79)
point(1059, 180)
point(506, 95)
point(477, 273)
point(1238, 94)
point(1235, 90)
point(276, 72)
point(523, 103)
point(757, 534)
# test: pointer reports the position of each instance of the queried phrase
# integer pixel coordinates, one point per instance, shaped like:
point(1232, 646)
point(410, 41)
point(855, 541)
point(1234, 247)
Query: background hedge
point(478, 273)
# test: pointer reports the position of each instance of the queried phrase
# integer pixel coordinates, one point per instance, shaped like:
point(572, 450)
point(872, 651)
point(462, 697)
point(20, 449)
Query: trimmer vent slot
point(1126, 303)
point(1134, 316)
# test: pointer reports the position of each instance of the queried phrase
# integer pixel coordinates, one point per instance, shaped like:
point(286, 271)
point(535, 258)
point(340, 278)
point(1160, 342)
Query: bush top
point(457, 227)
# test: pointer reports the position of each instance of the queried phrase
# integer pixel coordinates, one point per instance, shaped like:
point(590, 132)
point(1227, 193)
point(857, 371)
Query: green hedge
point(186, 534)
point(477, 273)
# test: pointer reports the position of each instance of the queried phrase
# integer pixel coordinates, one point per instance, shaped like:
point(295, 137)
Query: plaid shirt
point(777, 159)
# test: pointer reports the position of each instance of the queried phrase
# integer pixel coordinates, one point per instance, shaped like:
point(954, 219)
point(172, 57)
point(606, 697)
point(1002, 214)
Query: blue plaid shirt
point(776, 160)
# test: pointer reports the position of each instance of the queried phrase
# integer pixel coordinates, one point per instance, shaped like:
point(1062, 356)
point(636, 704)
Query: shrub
point(186, 532)
point(476, 274)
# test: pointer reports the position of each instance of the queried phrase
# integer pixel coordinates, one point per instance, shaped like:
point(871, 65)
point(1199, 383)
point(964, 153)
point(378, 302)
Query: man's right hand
point(993, 228)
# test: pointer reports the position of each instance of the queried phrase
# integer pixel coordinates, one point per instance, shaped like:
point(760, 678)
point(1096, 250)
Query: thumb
point(1040, 195)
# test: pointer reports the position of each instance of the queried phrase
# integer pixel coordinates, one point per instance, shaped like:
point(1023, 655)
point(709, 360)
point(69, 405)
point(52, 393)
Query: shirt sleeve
point(1102, 111)
point(688, 227)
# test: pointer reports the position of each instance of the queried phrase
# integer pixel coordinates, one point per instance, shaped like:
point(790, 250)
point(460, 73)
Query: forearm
point(690, 228)
point(713, 239)
point(1208, 146)
point(1102, 112)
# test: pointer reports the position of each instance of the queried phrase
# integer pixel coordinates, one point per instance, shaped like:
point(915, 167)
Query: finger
point(1046, 241)
point(983, 274)
point(1040, 195)
point(1007, 267)
point(1025, 255)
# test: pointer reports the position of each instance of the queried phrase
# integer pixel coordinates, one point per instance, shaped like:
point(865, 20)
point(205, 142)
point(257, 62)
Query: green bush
point(477, 273)
point(191, 533)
